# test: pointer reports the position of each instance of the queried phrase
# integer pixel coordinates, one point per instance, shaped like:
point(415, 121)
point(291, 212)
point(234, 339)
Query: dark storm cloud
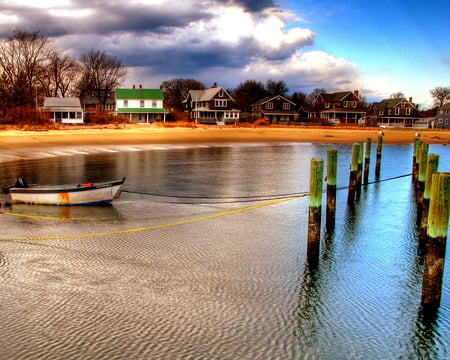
point(104, 19)
point(252, 5)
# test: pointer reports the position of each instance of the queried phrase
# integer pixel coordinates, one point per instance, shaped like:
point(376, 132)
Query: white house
point(64, 110)
point(141, 105)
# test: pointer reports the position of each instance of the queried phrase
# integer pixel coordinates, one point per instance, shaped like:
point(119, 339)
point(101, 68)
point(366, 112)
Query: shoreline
point(148, 134)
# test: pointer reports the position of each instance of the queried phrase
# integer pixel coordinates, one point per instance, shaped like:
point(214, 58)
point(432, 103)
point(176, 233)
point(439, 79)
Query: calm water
point(185, 266)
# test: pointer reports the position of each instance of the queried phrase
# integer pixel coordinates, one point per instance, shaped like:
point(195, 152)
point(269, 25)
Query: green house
point(141, 105)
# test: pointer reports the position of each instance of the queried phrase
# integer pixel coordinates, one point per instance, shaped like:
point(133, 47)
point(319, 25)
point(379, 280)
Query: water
point(195, 269)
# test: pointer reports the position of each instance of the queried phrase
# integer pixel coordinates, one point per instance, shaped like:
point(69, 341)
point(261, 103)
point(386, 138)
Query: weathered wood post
point(315, 211)
point(331, 189)
point(378, 158)
point(367, 160)
point(420, 184)
point(359, 173)
point(353, 174)
point(415, 161)
point(432, 167)
point(437, 237)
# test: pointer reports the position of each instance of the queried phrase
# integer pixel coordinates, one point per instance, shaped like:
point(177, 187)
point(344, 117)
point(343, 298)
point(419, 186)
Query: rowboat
point(79, 194)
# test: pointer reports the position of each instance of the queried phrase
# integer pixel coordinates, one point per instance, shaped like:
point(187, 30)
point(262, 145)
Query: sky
point(377, 47)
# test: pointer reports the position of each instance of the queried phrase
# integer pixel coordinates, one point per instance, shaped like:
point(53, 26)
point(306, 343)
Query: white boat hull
point(83, 194)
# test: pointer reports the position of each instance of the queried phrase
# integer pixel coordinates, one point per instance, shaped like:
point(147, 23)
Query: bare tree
point(101, 73)
point(397, 95)
point(441, 95)
point(276, 87)
point(23, 61)
point(62, 76)
point(248, 93)
point(311, 98)
point(176, 90)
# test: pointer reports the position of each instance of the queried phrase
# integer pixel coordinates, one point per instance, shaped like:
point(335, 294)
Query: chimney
point(356, 92)
point(410, 100)
point(134, 86)
point(140, 86)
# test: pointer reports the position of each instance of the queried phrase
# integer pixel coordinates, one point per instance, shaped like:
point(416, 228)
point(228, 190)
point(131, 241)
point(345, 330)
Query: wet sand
point(144, 134)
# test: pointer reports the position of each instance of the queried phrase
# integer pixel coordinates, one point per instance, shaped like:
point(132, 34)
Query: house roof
point(445, 106)
point(269, 98)
point(62, 104)
point(389, 104)
point(153, 94)
point(207, 94)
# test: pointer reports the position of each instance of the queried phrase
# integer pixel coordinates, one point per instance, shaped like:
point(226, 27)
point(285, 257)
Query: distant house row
point(216, 106)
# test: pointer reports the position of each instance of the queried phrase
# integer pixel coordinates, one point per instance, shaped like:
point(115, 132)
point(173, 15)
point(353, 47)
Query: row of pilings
point(433, 206)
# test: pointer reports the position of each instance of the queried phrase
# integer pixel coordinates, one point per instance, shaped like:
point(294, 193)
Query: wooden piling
point(437, 237)
point(378, 158)
point(331, 189)
point(415, 162)
point(315, 210)
point(420, 184)
point(432, 167)
point(367, 160)
point(359, 173)
point(353, 174)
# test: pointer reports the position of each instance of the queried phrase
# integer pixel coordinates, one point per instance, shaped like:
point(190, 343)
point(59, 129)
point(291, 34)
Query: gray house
point(442, 119)
point(64, 110)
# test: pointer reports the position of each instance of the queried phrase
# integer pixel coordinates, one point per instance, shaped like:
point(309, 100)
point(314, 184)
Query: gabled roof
point(270, 98)
point(62, 104)
point(389, 104)
point(338, 96)
point(127, 94)
point(206, 95)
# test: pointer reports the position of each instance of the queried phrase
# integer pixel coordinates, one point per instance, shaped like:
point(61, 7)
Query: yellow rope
point(147, 228)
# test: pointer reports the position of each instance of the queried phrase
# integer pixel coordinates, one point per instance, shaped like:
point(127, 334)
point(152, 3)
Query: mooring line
point(154, 227)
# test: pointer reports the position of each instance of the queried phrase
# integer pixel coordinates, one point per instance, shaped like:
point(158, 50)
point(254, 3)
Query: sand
point(147, 134)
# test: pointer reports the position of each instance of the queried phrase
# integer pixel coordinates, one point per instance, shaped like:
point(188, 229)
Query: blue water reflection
point(180, 267)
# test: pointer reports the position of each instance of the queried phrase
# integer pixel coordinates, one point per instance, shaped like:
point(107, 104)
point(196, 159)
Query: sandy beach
point(148, 134)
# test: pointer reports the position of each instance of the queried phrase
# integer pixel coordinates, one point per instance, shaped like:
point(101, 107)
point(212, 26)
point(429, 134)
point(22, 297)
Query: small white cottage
point(64, 110)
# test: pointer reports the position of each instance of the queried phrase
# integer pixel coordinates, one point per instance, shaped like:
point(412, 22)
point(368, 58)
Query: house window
point(389, 111)
point(327, 105)
point(408, 111)
point(142, 103)
point(397, 111)
point(220, 103)
point(269, 105)
point(380, 113)
point(221, 93)
point(345, 104)
point(154, 104)
point(286, 106)
point(125, 103)
point(354, 104)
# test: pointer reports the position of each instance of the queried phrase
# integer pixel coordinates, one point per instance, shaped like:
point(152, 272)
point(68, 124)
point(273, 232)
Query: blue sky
point(376, 47)
point(404, 45)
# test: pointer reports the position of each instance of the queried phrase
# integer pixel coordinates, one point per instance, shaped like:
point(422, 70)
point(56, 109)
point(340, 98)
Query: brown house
point(275, 109)
point(397, 112)
point(211, 106)
point(338, 108)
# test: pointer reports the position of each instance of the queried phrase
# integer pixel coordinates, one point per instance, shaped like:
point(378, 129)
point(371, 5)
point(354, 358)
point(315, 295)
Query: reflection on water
point(178, 268)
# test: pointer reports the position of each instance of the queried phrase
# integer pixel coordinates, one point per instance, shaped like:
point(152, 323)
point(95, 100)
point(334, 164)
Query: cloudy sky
point(378, 47)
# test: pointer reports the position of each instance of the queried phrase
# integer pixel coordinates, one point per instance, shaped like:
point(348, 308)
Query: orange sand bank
point(13, 139)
